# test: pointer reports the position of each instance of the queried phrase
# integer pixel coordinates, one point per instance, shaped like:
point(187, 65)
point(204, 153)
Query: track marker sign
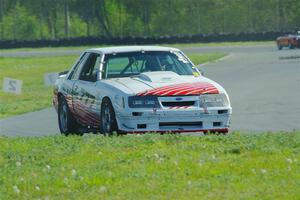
point(12, 85)
point(50, 78)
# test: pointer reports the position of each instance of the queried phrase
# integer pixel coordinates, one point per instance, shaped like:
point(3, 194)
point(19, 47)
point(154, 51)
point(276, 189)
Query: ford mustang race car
point(290, 41)
point(137, 89)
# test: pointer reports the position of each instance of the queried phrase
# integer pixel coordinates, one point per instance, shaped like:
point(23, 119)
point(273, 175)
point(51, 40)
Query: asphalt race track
point(264, 88)
point(263, 84)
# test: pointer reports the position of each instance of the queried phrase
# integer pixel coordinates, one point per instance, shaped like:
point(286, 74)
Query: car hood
point(165, 84)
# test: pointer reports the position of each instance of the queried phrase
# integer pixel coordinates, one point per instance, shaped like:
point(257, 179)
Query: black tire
point(291, 46)
point(279, 46)
point(67, 123)
point(108, 118)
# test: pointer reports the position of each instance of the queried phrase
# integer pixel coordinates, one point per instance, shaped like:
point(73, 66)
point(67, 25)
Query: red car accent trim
point(182, 90)
point(223, 130)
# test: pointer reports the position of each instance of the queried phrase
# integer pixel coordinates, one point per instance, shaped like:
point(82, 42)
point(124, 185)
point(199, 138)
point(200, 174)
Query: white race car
point(137, 89)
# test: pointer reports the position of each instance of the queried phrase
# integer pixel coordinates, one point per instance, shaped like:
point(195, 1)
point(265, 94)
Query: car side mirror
point(201, 72)
point(63, 73)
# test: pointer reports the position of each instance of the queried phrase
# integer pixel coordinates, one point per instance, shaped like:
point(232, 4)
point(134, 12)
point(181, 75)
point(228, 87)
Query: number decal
point(12, 85)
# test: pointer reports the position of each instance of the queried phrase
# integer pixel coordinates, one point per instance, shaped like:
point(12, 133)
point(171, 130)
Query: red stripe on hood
point(182, 90)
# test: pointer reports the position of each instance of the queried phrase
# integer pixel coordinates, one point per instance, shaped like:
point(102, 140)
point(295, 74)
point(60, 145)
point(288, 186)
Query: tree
point(52, 19)
point(20, 25)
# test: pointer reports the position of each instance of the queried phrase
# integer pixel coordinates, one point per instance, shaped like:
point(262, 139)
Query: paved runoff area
point(262, 82)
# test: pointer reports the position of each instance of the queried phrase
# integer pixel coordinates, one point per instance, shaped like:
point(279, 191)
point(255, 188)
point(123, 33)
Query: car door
point(67, 85)
point(86, 104)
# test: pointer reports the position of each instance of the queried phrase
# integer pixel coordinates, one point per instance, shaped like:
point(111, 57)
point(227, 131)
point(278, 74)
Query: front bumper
point(178, 120)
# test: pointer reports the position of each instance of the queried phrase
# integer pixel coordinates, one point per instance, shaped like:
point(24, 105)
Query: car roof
point(123, 49)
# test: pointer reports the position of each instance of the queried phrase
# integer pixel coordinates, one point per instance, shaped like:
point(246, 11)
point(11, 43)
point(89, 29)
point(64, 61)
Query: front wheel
point(67, 123)
point(108, 119)
point(291, 46)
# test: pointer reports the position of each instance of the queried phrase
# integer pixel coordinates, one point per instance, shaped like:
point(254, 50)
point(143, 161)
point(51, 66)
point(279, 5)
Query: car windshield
point(133, 63)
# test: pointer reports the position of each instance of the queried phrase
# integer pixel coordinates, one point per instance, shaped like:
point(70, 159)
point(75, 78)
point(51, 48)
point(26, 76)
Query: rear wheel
point(108, 119)
point(279, 46)
point(67, 123)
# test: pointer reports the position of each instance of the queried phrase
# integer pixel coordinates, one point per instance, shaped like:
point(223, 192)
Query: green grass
point(206, 57)
point(31, 70)
point(216, 44)
point(238, 166)
point(35, 95)
point(178, 45)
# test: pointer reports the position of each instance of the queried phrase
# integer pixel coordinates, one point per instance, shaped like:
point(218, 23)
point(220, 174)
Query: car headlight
point(143, 102)
point(214, 100)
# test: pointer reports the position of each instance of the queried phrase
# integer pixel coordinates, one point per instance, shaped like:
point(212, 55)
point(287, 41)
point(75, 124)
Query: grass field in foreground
point(31, 70)
point(238, 166)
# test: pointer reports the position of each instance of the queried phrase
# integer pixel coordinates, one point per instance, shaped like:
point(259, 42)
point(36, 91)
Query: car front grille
point(178, 103)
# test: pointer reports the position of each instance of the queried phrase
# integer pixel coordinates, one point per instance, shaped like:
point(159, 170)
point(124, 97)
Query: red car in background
point(290, 41)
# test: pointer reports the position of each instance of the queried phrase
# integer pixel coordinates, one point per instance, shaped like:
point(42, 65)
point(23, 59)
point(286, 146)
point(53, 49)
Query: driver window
point(74, 73)
point(90, 68)
point(166, 63)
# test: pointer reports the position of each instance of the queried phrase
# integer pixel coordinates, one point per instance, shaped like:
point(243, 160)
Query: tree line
point(55, 19)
